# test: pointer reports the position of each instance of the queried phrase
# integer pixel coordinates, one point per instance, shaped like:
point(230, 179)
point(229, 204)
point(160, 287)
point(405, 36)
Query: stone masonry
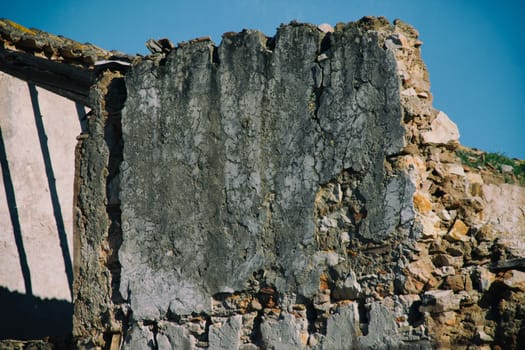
point(288, 192)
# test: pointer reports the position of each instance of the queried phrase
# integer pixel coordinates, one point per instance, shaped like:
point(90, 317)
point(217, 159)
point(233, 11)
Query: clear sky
point(474, 50)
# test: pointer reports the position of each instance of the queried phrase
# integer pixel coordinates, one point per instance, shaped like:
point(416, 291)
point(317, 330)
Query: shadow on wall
point(25, 317)
point(13, 213)
point(50, 175)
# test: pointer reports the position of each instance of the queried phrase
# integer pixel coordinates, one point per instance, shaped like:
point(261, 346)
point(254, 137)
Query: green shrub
point(494, 161)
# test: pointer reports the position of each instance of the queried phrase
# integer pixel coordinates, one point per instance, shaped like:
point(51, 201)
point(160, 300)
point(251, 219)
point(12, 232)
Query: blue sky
point(474, 50)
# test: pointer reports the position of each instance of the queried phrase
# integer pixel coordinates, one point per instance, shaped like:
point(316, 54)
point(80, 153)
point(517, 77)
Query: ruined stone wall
point(293, 192)
point(301, 192)
point(242, 144)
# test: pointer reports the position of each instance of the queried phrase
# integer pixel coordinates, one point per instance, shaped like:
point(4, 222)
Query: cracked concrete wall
point(226, 149)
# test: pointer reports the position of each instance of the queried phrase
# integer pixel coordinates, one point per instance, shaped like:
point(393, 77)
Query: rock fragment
point(442, 131)
point(514, 279)
point(437, 301)
point(325, 28)
point(458, 231)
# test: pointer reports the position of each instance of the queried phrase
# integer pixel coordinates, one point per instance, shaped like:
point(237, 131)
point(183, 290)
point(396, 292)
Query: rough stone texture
point(442, 130)
point(305, 183)
point(97, 217)
point(505, 212)
point(235, 148)
point(342, 328)
point(174, 337)
point(140, 337)
point(298, 191)
point(284, 333)
point(226, 335)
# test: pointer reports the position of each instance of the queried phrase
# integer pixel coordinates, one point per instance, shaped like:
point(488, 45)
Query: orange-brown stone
point(421, 203)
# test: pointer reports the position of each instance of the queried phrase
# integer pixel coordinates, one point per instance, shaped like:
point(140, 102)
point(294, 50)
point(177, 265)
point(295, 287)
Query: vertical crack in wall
point(114, 102)
point(100, 315)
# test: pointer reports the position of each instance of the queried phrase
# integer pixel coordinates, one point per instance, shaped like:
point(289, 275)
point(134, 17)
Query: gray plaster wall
point(225, 149)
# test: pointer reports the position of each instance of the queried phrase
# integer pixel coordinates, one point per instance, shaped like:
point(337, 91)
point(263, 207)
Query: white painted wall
point(24, 156)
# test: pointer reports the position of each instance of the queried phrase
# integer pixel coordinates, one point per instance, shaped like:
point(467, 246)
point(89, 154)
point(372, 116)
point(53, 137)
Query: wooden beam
point(61, 78)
